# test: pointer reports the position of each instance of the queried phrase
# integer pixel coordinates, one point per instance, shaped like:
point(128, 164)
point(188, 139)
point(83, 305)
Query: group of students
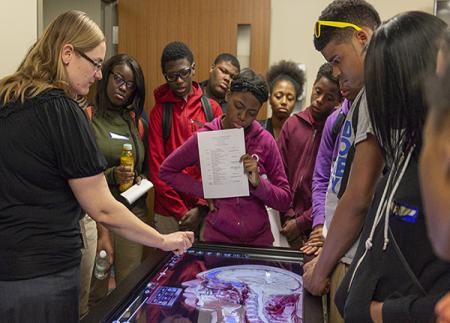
point(377, 261)
point(174, 161)
point(356, 208)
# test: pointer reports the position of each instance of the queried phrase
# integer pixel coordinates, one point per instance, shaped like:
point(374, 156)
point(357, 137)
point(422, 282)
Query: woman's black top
point(44, 142)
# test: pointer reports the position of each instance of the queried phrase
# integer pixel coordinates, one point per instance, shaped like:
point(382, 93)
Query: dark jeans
point(46, 299)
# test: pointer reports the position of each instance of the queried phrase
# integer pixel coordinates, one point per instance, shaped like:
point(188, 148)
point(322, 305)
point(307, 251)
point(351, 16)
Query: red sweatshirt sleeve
point(167, 200)
point(172, 168)
point(217, 110)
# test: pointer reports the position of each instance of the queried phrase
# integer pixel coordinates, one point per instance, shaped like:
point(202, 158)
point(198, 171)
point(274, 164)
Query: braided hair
point(249, 81)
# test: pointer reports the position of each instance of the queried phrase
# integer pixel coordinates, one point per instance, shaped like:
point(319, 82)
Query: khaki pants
point(336, 279)
point(89, 232)
point(166, 224)
point(127, 256)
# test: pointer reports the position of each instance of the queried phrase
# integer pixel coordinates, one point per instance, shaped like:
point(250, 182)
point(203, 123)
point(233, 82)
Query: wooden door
point(208, 27)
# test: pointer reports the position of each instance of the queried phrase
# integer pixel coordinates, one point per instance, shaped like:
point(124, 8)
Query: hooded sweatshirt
point(187, 117)
point(406, 277)
point(238, 220)
point(113, 129)
point(299, 142)
point(327, 153)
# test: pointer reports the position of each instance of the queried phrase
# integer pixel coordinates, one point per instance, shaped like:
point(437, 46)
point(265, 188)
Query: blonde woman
point(50, 168)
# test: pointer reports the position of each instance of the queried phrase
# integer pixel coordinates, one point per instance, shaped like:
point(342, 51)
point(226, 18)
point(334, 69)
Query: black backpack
point(167, 116)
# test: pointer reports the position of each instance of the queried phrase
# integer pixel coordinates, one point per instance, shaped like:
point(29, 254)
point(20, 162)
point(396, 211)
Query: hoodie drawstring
point(383, 206)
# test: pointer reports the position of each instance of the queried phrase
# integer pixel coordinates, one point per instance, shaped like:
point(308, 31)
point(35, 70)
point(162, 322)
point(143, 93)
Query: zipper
point(308, 153)
point(198, 123)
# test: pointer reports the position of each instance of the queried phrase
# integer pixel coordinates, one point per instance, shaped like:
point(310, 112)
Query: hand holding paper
point(137, 190)
point(251, 167)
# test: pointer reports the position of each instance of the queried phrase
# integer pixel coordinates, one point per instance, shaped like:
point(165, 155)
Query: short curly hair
point(326, 70)
point(227, 57)
point(286, 71)
point(358, 12)
point(174, 51)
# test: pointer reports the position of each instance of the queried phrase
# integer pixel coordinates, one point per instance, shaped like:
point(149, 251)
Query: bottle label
point(126, 159)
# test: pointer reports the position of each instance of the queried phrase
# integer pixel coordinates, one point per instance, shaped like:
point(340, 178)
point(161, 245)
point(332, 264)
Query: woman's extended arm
point(95, 198)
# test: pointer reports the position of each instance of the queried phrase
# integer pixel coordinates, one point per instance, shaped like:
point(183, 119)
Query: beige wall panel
point(291, 34)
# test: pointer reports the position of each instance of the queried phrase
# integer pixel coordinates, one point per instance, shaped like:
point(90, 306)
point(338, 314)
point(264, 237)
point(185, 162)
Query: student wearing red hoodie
point(239, 220)
point(299, 143)
point(174, 210)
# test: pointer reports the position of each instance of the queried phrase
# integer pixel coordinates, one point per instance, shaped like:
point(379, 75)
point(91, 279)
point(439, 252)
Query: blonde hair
point(42, 67)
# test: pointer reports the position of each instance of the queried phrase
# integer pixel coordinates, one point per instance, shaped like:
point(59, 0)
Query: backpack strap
point(207, 109)
point(141, 129)
point(140, 125)
point(89, 112)
point(351, 152)
point(166, 121)
point(167, 116)
point(337, 125)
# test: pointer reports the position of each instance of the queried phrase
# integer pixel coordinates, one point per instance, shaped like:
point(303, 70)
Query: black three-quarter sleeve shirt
point(44, 142)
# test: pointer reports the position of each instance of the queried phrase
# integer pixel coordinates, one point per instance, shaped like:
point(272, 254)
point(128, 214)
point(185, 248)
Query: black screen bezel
point(132, 286)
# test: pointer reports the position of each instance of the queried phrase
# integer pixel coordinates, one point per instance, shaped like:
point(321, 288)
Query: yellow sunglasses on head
point(336, 24)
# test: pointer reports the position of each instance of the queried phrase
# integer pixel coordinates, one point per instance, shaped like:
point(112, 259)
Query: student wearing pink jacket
point(238, 220)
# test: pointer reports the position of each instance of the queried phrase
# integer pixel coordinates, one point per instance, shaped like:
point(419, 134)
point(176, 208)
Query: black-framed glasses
point(335, 24)
point(97, 65)
point(119, 81)
point(184, 74)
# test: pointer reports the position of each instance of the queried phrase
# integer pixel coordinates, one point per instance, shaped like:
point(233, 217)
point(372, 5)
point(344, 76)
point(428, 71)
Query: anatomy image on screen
point(246, 293)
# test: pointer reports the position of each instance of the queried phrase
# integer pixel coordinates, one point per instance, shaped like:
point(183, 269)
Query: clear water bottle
point(101, 265)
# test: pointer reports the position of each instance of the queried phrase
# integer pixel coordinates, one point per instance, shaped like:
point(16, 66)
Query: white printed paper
point(279, 240)
point(136, 191)
point(222, 173)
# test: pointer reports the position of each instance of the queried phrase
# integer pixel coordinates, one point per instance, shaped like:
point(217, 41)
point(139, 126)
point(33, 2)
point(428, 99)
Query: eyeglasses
point(184, 74)
point(336, 24)
point(119, 81)
point(97, 65)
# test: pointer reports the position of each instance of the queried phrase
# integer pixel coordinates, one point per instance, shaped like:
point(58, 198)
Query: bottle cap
point(102, 254)
point(127, 147)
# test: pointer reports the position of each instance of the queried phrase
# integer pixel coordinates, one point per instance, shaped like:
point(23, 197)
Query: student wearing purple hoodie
point(239, 220)
point(328, 151)
point(298, 143)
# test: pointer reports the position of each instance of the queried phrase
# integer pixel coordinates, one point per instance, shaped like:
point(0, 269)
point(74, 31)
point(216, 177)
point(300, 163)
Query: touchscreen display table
point(212, 283)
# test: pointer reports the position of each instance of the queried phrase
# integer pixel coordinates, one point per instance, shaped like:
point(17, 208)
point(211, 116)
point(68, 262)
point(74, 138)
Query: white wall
point(21, 21)
point(18, 31)
point(292, 29)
